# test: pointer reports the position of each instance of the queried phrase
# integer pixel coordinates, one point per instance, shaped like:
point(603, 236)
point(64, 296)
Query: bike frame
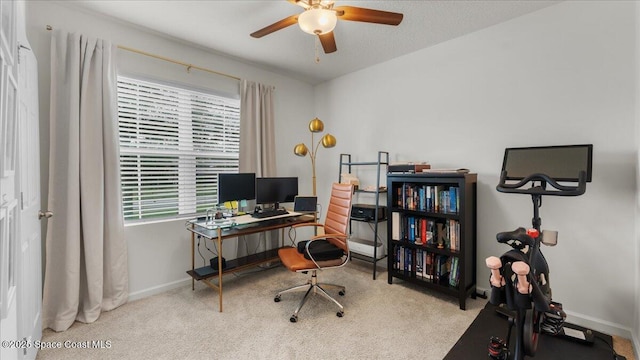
point(538, 300)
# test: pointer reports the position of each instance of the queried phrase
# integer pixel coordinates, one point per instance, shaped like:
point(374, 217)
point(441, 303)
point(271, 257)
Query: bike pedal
point(498, 349)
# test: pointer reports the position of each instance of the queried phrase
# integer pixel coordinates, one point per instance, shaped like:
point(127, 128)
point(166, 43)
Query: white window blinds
point(173, 143)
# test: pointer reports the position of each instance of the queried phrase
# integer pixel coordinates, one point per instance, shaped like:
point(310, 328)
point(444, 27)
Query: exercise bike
point(520, 277)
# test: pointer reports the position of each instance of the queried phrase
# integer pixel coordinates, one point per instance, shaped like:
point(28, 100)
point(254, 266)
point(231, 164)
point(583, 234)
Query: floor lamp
point(327, 141)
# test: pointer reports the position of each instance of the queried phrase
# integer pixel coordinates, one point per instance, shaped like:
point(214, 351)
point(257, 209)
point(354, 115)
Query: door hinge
point(21, 201)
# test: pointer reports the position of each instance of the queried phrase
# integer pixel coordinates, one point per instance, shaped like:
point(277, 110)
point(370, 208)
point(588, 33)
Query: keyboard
point(269, 213)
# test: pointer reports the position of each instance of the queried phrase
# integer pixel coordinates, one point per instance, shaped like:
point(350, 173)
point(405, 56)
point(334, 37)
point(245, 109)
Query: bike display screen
point(561, 163)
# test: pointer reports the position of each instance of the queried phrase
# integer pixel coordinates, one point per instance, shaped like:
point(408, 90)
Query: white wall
point(158, 253)
point(557, 76)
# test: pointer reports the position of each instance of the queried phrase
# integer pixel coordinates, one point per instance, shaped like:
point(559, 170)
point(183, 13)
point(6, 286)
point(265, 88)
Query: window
point(173, 143)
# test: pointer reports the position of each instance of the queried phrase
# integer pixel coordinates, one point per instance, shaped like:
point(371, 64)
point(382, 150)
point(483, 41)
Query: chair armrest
point(308, 224)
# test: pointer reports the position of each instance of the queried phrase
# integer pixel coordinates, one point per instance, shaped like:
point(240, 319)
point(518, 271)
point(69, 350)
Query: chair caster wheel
point(293, 318)
point(340, 314)
point(341, 292)
point(277, 298)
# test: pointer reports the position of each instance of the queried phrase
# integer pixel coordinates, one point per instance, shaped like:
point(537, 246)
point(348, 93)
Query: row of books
point(430, 198)
point(428, 266)
point(443, 233)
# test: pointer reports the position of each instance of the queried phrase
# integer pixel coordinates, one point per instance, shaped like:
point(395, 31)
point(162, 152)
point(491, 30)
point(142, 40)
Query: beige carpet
point(381, 321)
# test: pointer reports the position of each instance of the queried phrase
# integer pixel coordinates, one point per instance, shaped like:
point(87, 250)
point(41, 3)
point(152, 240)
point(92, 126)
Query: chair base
point(317, 288)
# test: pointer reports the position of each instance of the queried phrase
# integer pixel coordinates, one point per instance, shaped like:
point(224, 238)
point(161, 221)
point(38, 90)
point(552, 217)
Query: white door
point(21, 280)
point(29, 290)
point(9, 204)
point(20, 231)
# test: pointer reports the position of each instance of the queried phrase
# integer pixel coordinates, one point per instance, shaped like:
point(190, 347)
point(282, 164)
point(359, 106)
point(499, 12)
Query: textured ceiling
point(224, 27)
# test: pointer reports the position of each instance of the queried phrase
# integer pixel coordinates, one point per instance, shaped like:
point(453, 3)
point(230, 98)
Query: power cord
point(214, 244)
point(204, 261)
point(200, 253)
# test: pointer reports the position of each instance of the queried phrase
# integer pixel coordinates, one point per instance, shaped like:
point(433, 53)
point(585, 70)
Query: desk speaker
point(214, 263)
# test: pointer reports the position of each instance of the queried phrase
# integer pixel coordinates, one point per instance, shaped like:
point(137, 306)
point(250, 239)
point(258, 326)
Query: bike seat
point(517, 238)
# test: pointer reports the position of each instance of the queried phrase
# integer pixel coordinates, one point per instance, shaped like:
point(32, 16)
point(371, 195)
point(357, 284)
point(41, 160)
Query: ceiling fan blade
point(353, 13)
point(328, 42)
point(288, 21)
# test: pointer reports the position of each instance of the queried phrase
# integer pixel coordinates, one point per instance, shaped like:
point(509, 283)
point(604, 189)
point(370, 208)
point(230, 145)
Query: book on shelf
point(446, 171)
point(428, 265)
point(407, 261)
point(395, 225)
point(429, 198)
point(428, 202)
point(454, 275)
point(412, 229)
point(453, 199)
point(408, 167)
point(419, 263)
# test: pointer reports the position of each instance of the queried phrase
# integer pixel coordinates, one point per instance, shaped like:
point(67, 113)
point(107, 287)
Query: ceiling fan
point(320, 17)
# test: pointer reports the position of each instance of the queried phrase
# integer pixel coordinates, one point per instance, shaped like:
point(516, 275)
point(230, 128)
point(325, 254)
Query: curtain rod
point(188, 66)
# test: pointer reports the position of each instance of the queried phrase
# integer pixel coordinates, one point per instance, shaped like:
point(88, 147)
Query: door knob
point(46, 214)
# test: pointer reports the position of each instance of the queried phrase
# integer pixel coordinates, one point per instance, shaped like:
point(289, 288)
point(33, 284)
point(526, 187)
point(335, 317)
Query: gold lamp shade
point(301, 149)
point(316, 125)
point(328, 141)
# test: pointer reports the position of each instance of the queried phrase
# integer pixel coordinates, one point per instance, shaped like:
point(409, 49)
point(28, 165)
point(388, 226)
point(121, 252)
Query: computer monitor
point(237, 186)
point(561, 163)
point(275, 190)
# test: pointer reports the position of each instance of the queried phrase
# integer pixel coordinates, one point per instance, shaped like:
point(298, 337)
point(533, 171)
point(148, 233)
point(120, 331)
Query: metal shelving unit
point(347, 165)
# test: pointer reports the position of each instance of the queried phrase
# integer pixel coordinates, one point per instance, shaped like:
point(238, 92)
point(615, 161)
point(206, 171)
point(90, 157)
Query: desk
point(244, 225)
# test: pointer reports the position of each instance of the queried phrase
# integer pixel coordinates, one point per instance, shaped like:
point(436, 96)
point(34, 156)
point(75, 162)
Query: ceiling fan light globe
point(317, 21)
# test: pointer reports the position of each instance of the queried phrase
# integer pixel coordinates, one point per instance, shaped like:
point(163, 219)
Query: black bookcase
point(432, 231)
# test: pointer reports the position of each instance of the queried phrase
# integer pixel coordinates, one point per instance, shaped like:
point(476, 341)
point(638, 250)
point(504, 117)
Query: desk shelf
point(238, 264)
point(246, 225)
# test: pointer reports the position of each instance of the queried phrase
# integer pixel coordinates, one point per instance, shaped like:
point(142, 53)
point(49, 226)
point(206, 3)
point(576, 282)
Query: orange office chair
point(329, 250)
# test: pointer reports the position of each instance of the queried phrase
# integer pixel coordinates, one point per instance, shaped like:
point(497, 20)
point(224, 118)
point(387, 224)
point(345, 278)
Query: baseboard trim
point(158, 289)
point(600, 325)
point(590, 322)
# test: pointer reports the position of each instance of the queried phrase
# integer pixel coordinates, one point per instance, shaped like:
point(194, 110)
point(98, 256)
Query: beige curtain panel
point(257, 129)
point(86, 255)
point(257, 147)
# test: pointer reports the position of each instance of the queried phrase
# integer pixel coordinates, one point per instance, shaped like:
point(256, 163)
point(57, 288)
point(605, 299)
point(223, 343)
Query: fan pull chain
point(317, 50)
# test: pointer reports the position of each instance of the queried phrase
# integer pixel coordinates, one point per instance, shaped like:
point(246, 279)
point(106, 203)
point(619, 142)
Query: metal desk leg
point(193, 260)
point(220, 267)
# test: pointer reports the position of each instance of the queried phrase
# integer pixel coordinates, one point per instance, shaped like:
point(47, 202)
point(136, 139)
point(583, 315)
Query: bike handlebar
point(560, 190)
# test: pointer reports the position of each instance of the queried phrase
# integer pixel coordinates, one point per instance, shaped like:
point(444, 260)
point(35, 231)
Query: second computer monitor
point(275, 190)
point(232, 187)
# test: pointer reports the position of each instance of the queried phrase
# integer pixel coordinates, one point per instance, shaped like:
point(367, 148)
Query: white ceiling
point(224, 27)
